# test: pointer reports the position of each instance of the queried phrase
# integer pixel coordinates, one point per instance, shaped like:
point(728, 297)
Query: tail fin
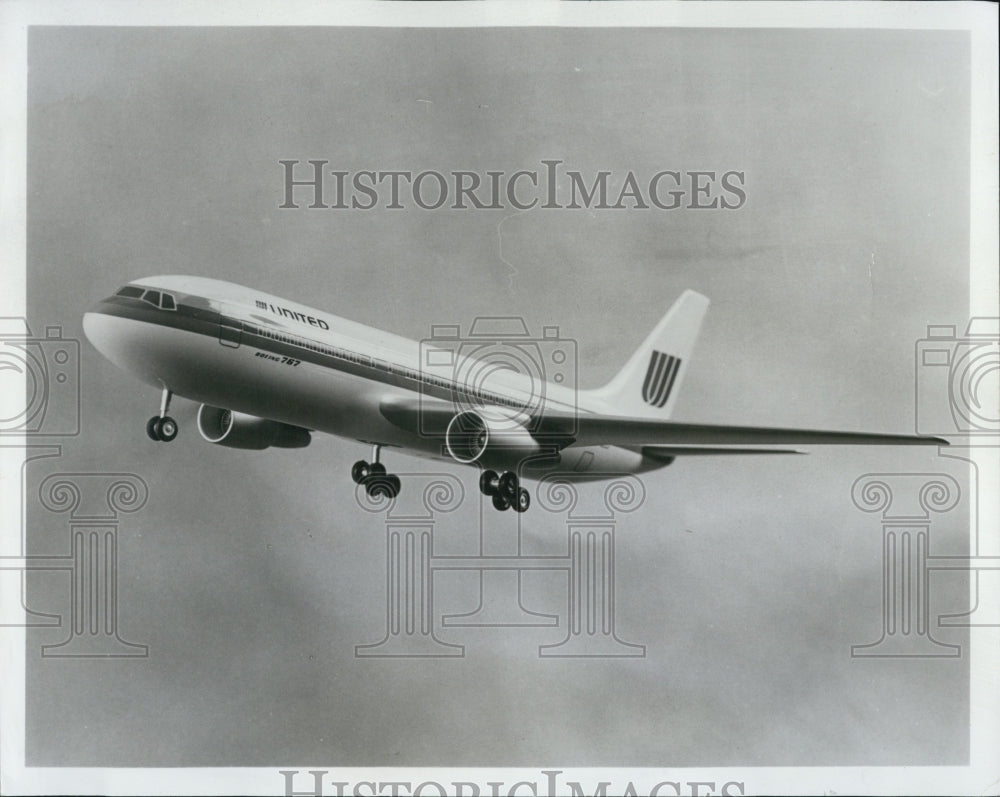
point(648, 385)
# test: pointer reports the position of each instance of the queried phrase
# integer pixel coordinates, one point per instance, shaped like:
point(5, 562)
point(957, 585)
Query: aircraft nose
point(115, 337)
point(97, 328)
point(129, 343)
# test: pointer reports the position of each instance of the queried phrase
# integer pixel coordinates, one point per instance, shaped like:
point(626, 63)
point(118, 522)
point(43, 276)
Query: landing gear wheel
point(509, 486)
point(162, 430)
point(499, 502)
point(359, 471)
point(377, 483)
point(523, 500)
point(488, 482)
point(166, 428)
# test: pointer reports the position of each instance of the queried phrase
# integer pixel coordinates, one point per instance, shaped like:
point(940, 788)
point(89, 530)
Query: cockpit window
point(161, 299)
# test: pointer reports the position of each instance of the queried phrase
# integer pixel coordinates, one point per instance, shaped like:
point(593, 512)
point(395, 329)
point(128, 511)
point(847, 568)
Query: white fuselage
point(233, 347)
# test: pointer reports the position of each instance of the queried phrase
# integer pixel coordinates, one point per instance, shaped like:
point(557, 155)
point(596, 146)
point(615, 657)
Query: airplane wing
point(562, 429)
point(619, 431)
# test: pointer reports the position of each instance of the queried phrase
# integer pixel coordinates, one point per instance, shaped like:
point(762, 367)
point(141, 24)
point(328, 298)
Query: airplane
point(270, 372)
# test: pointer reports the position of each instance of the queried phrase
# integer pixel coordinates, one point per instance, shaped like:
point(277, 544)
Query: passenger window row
point(363, 359)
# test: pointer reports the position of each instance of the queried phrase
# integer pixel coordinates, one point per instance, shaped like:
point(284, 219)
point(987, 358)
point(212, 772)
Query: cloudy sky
point(252, 575)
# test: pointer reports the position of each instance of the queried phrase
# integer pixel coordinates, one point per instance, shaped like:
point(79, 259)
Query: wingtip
point(694, 296)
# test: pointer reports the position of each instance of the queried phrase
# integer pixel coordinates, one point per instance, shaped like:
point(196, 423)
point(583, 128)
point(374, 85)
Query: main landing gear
point(505, 490)
point(162, 428)
point(376, 481)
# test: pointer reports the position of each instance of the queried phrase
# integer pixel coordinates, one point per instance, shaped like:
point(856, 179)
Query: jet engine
point(472, 436)
point(238, 430)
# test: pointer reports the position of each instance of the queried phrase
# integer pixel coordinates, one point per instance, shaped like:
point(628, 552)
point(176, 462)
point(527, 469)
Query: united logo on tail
point(660, 377)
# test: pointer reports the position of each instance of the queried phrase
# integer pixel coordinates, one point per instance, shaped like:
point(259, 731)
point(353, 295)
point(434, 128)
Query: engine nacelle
point(239, 430)
point(472, 436)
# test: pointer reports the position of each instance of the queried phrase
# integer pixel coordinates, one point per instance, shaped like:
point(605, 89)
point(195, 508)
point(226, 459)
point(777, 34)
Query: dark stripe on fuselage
point(209, 323)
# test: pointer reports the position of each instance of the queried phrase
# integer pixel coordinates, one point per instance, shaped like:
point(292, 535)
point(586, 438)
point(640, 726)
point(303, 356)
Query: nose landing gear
point(376, 481)
point(505, 490)
point(162, 428)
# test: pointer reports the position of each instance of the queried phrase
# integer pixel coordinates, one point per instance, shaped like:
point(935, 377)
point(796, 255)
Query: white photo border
point(979, 19)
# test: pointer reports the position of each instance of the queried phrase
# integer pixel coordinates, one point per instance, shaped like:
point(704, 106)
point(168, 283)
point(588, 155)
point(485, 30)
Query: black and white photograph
point(494, 399)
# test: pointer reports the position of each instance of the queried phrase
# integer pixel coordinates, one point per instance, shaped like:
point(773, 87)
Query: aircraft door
point(230, 328)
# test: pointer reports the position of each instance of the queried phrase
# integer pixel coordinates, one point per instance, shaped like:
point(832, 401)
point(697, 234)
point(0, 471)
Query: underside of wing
point(429, 417)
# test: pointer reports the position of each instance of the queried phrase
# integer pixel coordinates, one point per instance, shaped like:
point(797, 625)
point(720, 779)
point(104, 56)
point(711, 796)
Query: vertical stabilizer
point(648, 384)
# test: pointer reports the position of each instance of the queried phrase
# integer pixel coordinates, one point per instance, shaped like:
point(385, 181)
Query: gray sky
point(253, 575)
